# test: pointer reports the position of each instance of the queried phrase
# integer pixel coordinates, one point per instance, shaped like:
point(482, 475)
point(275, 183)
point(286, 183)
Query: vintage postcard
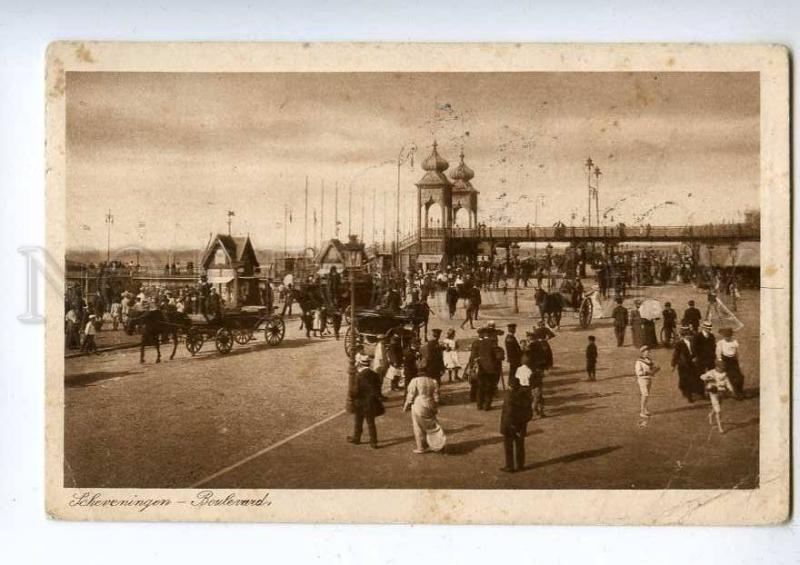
point(418, 283)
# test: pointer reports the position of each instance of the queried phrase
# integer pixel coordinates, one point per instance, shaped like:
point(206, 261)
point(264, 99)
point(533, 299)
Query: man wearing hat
point(433, 357)
point(620, 315)
point(367, 403)
point(692, 317)
point(684, 359)
point(635, 321)
point(484, 351)
point(513, 352)
point(670, 318)
point(705, 347)
point(410, 359)
point(542, 334)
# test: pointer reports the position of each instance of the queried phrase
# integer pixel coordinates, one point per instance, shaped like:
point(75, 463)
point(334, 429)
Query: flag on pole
point(728, 318)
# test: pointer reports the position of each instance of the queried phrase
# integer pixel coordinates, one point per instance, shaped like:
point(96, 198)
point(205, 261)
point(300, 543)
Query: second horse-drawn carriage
point(570, 296)
point(372, 326)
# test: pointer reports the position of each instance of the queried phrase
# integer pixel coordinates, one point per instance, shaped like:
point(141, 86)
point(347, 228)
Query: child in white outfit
point(717, 382)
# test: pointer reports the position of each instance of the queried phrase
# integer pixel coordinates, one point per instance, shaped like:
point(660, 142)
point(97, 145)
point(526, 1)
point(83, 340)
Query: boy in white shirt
point(90, 331)
point(644, 369)
point(717, 382)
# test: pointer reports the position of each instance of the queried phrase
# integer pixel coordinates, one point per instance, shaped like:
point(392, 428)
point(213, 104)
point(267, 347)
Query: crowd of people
point(706, 368)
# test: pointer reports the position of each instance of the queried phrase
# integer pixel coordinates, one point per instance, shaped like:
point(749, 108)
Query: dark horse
point(157, 326)
point(551, 306)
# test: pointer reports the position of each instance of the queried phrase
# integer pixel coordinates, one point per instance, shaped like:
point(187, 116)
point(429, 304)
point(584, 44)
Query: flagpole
point(336, 209)
point(305, 220)
point(322, 213)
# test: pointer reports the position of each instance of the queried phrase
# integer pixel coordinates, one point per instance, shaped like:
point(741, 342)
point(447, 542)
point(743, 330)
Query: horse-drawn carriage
point(231, 326)
point(569, 297)
point(228, 326)
point(372, 326)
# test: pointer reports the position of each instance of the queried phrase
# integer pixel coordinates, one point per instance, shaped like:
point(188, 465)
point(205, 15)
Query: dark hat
point(436, 331)
point(691, 303)
point(706, 325)
point(618, 300)
point(512, 326)
point(667, 304)
point(727, 332)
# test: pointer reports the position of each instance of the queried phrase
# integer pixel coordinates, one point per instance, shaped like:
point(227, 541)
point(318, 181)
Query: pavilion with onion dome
point(442, 204)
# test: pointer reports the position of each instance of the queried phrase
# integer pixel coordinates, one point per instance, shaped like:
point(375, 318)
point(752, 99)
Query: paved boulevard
point(272, 418)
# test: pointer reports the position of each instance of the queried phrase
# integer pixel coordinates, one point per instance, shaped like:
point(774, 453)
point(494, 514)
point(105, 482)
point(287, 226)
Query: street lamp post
point(732, 284)
point(515, 254)
point(539, 202)
point(354, 253)
point(109, 222)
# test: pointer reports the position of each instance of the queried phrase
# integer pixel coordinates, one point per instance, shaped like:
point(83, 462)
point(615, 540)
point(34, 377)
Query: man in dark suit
point(705, 345)
point(620, 315)
point(484, 351)
point(433, 357)
point(367, 403)
point(692, 317)
point(684, 359)
point(513, 353)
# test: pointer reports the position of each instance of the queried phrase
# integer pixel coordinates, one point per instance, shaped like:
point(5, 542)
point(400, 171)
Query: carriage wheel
point(224, 340)
point(348, 335)
point(274, 330)
point(194, 341)
point(242, 336)
point(346, 315)
point(585, 313)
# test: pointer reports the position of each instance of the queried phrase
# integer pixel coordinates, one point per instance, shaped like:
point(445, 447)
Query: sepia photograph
point(458, 278)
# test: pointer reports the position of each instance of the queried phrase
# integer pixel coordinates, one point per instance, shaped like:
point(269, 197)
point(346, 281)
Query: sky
point(170, 153)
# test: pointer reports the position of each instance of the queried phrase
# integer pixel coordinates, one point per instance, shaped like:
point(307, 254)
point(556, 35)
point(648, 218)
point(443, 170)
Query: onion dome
point(462, 172)
point(435, 162)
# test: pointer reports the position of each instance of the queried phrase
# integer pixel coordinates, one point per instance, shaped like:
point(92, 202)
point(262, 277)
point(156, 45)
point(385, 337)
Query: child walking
point(717, 382)
point(451, 362)
point(591, 360)
point(89, 345)
point(644, 369)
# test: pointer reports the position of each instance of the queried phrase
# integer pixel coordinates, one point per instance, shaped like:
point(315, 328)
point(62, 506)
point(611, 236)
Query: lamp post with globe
point(354, 256)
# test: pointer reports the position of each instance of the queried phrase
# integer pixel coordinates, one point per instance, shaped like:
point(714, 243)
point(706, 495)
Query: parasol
point(650, 309)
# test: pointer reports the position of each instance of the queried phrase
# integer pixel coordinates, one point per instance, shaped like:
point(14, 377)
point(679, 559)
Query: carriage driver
point(203, 289)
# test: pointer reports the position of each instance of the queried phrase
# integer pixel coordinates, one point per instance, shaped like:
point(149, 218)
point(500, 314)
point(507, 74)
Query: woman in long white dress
point(422, 399)
point(597, 306)
point(451, 362)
